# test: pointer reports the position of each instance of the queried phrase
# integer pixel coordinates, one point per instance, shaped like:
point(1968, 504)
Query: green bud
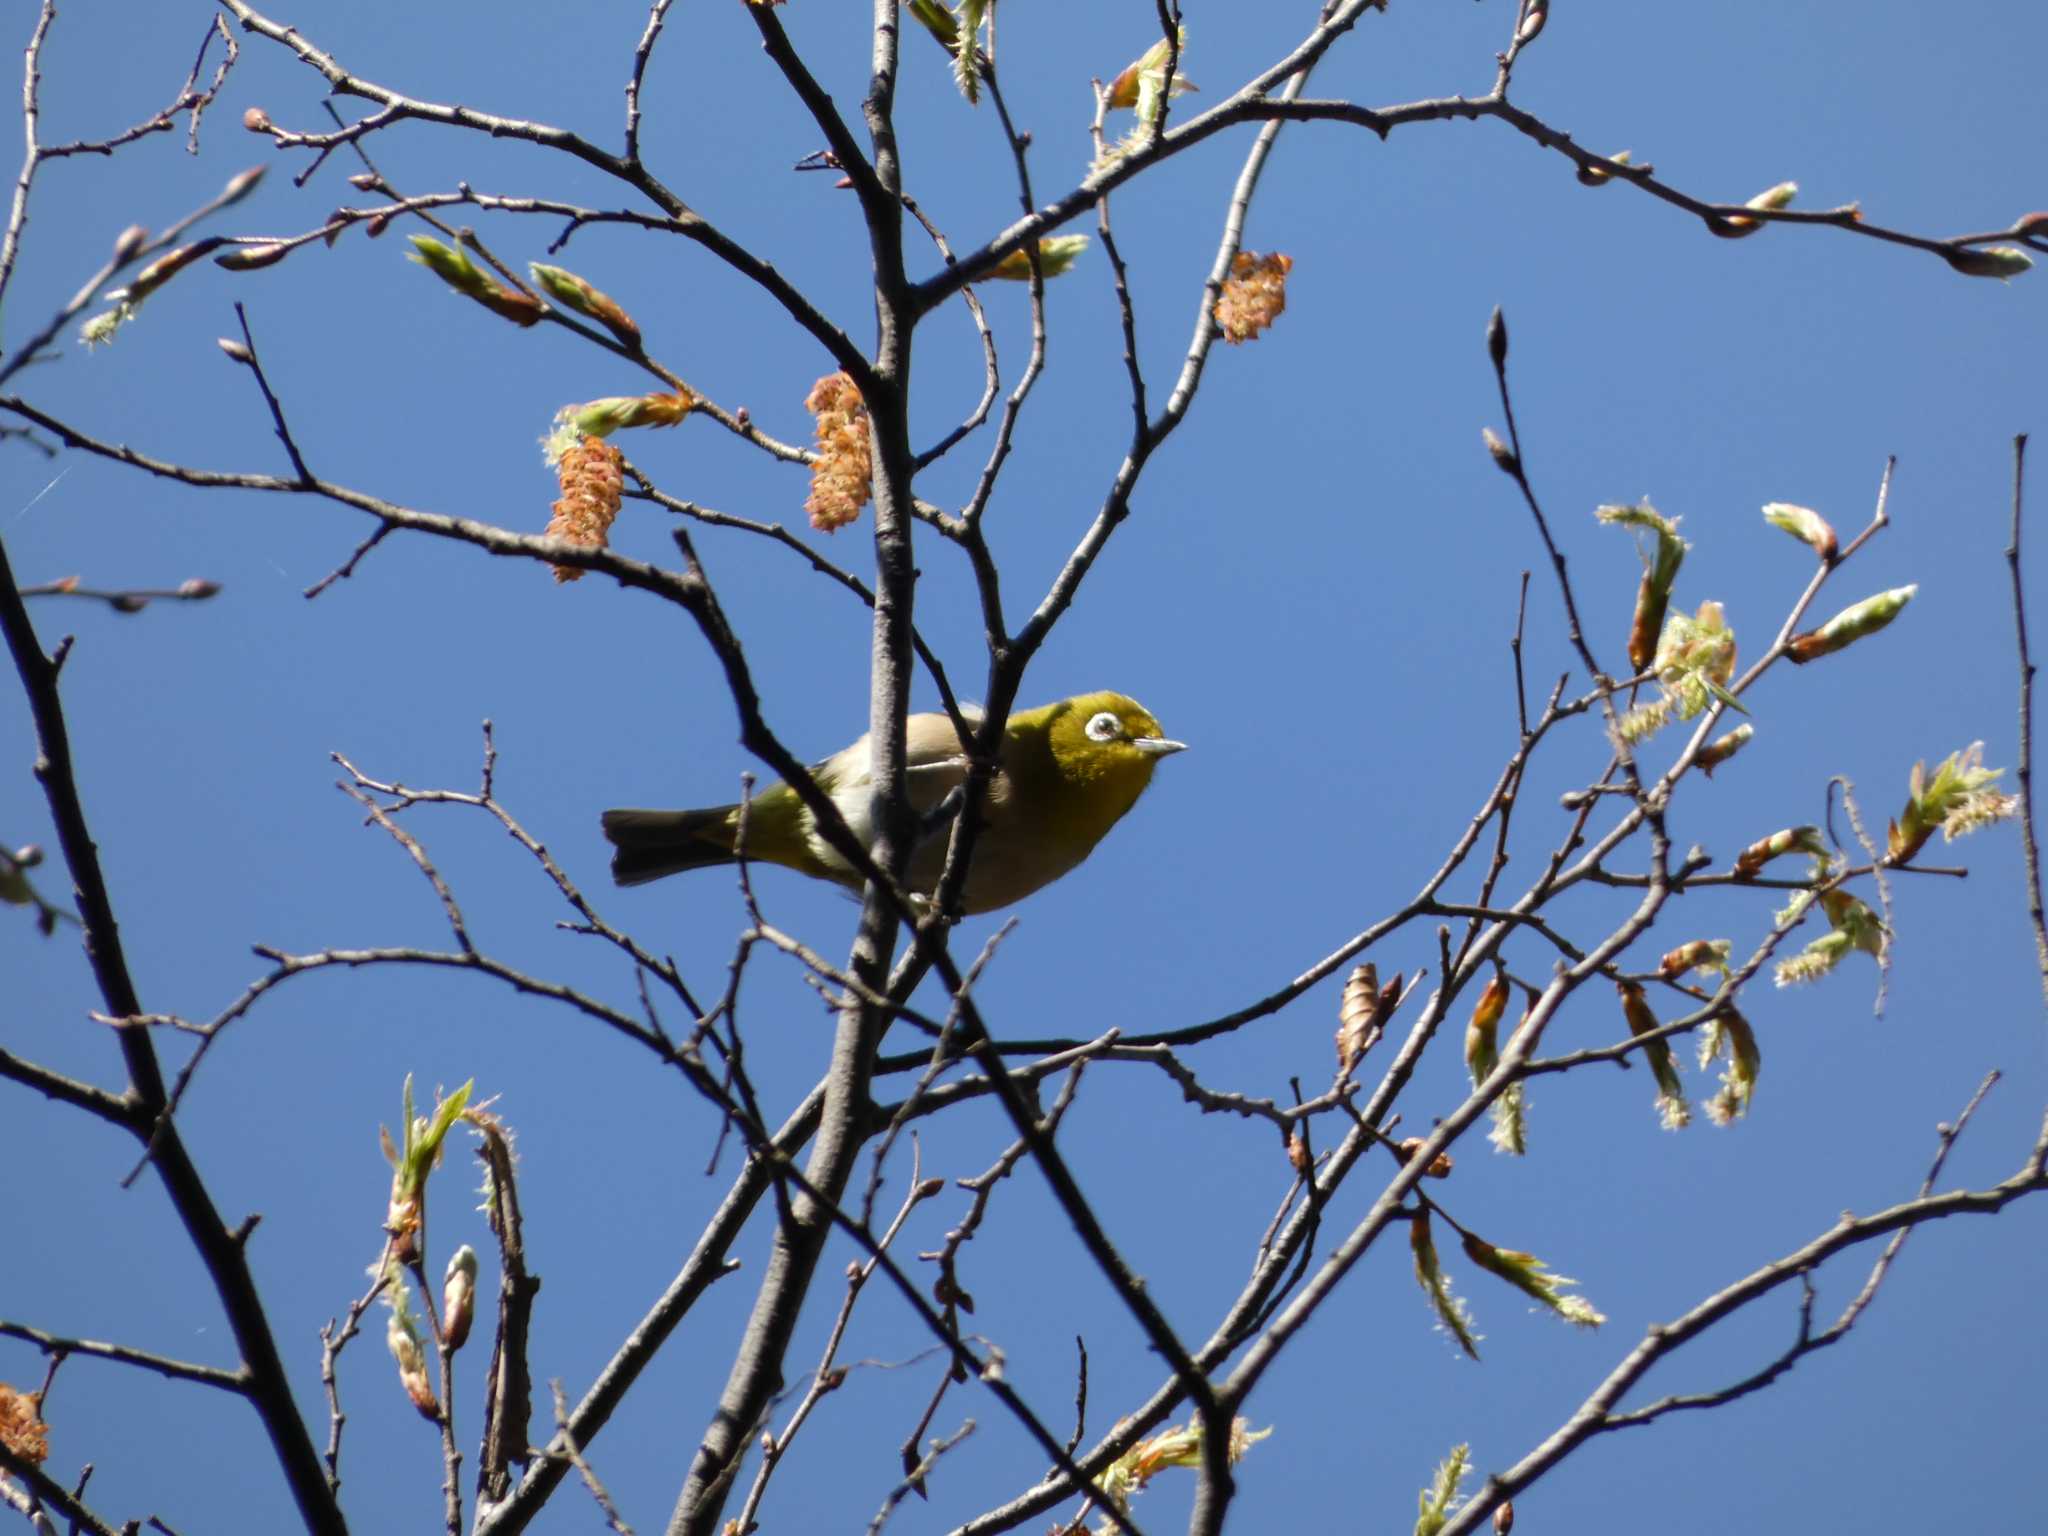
point(453, 267)
point(1148, 68)
point(938, 21)
point(2003, 262)
point(1732, 1035)
point(1777, 845)
point(1708, 956)
point(449, 263)
point(1715, 753)
point(573, 293)
point(1850, 625)
point(1451, 1313)
point(1957, 799)
point(1851, 917)
point(601, 418)
point(1804, 524)
point(1533, 1278)
point(1660, 571)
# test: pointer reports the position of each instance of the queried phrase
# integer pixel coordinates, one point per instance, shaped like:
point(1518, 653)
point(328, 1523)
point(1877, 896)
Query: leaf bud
point(1533, 1278)
point(1635, 1009)
point(1850, 625)
point(1497, 338)
point(454, 268)
point(1731, 1034)
point(128, 242)
point(1804, 524)
point(1503, 456)
point(1599, 176)
point(1957, 799)
point(1708, 955)
point(2003, 262)
point(248, 258)
point(256, 120)
point(458, 1297)
point(1482, 1031)
point(1790, 840)
point(168, 266)
point(235, 350)
point(522, 309)
point(241, 184)
point(1503, 1517)
point(449, 263)
point(574, 293)
point(1770, 200)
point(1660, 571)
point(938, 21)
point(1360, 1016)
point(401, 1336)
point(1126, 89)
point(1715, 753)
point(197, 589)
point(127, 602)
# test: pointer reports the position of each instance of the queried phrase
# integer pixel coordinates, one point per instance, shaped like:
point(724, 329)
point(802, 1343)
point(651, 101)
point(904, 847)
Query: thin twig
point(2024, 773)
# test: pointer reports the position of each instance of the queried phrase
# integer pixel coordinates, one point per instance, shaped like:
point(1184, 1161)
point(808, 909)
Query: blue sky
point(1316, 590)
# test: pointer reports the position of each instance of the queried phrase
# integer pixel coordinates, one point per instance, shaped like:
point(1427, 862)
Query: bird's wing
point(933, 762)
point(930, 739)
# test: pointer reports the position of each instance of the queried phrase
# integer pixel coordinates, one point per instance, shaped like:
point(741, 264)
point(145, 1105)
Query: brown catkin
point(1254, 296)
point(841, 475)
point(593, 481)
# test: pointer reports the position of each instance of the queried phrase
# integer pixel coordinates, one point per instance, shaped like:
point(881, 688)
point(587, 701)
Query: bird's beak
point(1157, 746)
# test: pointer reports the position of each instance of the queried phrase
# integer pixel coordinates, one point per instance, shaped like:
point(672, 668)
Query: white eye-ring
point(1105, 727)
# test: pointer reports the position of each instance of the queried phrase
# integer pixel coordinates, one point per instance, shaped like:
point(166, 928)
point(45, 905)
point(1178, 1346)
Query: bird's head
point(1098, 736)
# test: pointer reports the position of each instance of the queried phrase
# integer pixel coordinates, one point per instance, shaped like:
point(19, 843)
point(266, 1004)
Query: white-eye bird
point(1067, 774)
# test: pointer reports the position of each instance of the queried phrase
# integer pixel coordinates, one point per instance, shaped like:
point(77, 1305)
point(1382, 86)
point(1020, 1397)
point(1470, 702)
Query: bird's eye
point(1104, 727)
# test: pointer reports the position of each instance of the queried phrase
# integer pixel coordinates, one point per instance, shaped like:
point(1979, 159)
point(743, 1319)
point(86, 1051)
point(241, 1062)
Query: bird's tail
point(651, 844)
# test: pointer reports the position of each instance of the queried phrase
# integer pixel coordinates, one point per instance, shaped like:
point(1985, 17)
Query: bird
point(1067, 773)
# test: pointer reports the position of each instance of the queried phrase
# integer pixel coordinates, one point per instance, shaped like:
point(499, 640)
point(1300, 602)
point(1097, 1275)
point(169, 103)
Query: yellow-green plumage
point(1068, 773)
